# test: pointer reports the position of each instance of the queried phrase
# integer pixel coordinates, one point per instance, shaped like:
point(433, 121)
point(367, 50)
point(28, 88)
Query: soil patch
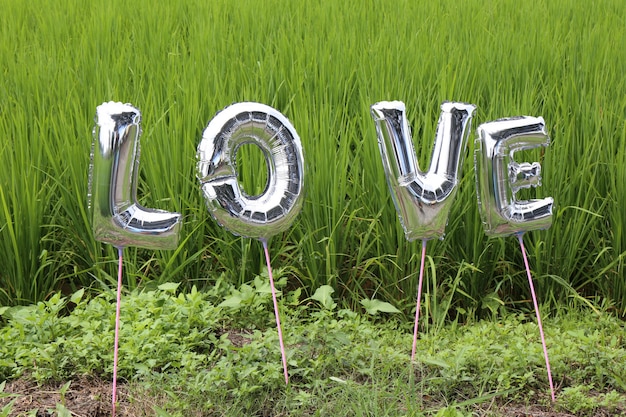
point(85, 397)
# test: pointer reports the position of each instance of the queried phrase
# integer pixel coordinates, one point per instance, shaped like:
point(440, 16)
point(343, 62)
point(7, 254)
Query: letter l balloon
point(117, 217)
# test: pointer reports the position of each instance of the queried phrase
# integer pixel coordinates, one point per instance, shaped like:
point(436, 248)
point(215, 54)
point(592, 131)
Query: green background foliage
point(322, 64)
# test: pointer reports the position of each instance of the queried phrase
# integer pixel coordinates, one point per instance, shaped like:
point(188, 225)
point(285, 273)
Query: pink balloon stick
point(280, 333)
point(117, 332)
point(419, 298)
point(532, 292)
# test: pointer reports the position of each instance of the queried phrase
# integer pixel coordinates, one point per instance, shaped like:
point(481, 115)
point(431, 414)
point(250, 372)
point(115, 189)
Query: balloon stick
point(419, 297)
point(117, 332)
point(280, 333)
point(532, 292)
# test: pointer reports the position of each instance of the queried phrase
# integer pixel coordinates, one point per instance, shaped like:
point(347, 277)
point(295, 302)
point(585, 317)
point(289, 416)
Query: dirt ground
point(86, 397)
point(90, 397)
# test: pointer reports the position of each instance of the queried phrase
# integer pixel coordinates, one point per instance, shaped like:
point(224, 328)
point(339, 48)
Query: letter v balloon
point(422, 199)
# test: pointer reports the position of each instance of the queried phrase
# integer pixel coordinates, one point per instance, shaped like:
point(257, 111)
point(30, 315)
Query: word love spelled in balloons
point(120, 221)
point(423, 199)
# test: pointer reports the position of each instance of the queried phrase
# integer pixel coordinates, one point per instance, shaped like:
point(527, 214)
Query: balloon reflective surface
point(499, 177)
point(117, 218)
point(422, 200)
point(274, 210)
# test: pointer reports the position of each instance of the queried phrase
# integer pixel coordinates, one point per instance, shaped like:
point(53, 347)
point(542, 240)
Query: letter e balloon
point(499, 177)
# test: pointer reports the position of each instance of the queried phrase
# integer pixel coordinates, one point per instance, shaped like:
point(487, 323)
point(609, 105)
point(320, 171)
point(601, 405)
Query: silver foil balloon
point(499, 177)
point(422, 200)
point(117, 217)
point(274, 210)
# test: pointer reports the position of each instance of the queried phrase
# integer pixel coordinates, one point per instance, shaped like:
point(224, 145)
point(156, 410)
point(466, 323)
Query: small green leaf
point(324, 296)
point(262, 286)
point(6, 410)
point(161, 412)
point(65, 388)
point(436, 362)
point(169, 286)
point(374, 307)
point(492, 302)
point(62, 411)
point(450, 411)
point(341, 381)
point(294, 296)
point(77, 296)
point(232, 302)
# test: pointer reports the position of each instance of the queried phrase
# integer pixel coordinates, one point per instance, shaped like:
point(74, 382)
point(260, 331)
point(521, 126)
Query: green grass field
point(322, 64)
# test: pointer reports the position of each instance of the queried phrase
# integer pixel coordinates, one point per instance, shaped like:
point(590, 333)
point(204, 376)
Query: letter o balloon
point(274, 210)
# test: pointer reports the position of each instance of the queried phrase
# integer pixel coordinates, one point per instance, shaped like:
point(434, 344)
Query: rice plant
point(322, 64)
